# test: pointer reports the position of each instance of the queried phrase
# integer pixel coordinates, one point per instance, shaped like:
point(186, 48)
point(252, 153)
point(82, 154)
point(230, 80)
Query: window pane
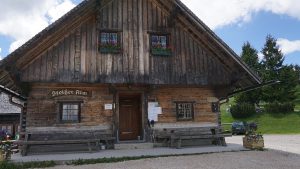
point(163, 41)
point(184, 111)
point(114, 39)
point(154, 40)
point(70, 112)
point(104, 38)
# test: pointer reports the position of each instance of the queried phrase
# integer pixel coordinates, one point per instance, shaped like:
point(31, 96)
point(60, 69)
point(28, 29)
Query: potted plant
point(5, 146)
point(253, 140)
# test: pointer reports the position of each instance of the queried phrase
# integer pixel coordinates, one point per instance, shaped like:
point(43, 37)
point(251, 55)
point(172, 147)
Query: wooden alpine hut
point(124, 71)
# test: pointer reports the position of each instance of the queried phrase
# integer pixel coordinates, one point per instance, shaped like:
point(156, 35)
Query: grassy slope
point(271, 124)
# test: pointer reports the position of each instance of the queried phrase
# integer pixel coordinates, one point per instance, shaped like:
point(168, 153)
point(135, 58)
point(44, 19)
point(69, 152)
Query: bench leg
point(24, 150)
point(97, 146)
point(89, 147)
point(178, 143)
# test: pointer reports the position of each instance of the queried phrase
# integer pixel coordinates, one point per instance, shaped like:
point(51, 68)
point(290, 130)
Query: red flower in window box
point(110, 48)
point(160, 50)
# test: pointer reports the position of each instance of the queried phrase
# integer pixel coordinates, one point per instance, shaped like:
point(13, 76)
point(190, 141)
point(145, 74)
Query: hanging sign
point(68, 92)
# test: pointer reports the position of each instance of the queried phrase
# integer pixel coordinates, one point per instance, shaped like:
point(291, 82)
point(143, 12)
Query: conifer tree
point(250, 57)
point(273, 69)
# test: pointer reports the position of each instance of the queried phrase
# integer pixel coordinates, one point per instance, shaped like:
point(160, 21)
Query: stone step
point(130, 146)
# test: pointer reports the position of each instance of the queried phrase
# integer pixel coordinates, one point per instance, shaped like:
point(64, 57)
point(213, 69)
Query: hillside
point(269, 123)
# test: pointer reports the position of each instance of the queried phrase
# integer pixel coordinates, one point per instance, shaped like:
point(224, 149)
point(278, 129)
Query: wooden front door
point(129, 117)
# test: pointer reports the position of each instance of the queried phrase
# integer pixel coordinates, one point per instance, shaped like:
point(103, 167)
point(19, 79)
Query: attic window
point(160, 45)
point(109, 42)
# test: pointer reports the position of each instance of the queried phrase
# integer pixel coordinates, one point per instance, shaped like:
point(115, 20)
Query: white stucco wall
point(6, 106)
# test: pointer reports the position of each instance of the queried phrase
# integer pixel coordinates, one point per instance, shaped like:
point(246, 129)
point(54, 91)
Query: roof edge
point(219, 41)
point(38, 36)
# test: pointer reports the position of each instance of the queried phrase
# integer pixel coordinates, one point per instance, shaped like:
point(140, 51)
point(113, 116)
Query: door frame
point(142, 110)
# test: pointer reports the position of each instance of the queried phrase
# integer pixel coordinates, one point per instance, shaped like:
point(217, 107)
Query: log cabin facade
point(103, 64)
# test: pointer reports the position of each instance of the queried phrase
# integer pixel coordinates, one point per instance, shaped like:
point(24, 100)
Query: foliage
point(161, 51)
point(27, 165)
point(110, 48)
point(6, 149)
point(268, 123)
point(273, 69)
point(277, 107)
point(250, 57)
point(242, 110)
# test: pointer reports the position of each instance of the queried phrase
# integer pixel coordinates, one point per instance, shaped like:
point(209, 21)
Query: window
point(109, 42)
point(185, 110)
point(160, 45)
point(70, 112)
point(215, 107)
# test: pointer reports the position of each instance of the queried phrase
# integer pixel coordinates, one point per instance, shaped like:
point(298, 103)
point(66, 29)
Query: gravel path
point(287, 158)
point(232, 160)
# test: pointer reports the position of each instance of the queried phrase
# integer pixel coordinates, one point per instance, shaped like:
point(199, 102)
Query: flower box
point(110, 48)
point(253, 142)
point(161, 51)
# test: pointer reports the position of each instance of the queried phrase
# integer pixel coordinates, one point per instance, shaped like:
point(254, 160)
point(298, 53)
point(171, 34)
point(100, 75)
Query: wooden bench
point(69, 137)
point(174, 136)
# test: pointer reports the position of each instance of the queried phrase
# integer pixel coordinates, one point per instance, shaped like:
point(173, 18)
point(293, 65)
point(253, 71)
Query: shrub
point(242, 110)
point(277, 108)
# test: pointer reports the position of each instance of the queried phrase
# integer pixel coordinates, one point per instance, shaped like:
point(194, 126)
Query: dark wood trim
point(141, 94)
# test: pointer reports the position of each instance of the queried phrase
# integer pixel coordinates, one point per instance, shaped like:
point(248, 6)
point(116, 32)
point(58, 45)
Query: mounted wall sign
point(108, 106)
point(69, 92)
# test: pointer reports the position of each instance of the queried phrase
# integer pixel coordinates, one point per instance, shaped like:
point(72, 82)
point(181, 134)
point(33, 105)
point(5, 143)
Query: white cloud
point(260, 56)
point(21, 20)
point(288, 47)
point(59, 10)
point(219, 13)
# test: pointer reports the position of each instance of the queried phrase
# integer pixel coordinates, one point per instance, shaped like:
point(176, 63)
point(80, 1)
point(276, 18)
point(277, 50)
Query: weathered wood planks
point(76, 58)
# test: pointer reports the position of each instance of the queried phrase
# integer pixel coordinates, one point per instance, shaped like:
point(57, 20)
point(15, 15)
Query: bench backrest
point(68, 135)
point(194, 131)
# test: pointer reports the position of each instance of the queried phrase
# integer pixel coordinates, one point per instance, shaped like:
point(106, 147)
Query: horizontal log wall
point(75, 58)
point(43, 110)
point(167, 97)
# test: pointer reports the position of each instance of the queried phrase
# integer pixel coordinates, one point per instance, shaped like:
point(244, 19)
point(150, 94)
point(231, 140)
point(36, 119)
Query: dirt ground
point(285, 155)
point(269, 159)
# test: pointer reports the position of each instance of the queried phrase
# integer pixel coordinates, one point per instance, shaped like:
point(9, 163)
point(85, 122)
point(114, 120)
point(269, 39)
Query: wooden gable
point(68, 51)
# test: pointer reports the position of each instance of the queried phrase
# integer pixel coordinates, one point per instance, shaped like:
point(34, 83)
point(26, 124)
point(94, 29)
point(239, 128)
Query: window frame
point(61, 104)
point(106, 50)
point(215, 107)
point(168, 51)
point(192, 109)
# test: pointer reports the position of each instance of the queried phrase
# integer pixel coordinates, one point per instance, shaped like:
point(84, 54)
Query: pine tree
point(250, 57)
point(273, 69)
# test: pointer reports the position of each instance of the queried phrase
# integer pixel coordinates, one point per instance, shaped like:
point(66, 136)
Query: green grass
point(27, 165)
point(270, 123)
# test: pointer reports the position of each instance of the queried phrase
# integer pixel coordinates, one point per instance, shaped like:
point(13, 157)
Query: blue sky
point(262, 24)
point(234, 21)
